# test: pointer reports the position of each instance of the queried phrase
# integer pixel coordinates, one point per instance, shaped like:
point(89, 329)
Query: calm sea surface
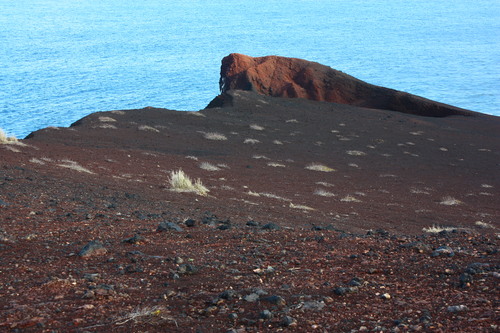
point(61, 60)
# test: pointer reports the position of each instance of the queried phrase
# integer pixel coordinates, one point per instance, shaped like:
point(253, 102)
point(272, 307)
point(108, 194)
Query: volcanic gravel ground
point(314, 221)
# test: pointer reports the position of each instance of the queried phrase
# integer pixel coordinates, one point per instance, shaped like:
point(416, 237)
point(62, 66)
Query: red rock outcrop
point(297, 78)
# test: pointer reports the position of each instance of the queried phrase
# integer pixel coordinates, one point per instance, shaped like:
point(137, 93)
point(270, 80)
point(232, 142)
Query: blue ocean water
point(61, 60)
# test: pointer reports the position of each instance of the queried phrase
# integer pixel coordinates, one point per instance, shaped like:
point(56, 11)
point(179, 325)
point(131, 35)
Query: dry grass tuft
point(209, 166)
point(324, 193)
point(147, 128)
point(107, 126)
point(484, 225)
point(319, 167)
point(260, 157)
point(251, 141)
point(301, 207)
point(256, 127)
point(349, 198)
point(355, 153)
point(180, 182)
point(450, 201)
point(276, 165)
point(215, 136)
point(69, 164)
point(277, 142)
point(435, 229)
point(155, 315)
point(6, 139)
point(267, 195)
point(106, 119)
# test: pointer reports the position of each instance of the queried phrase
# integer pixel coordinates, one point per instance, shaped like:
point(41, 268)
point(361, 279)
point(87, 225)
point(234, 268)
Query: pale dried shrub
point(192, 157)
point(148, 128)
point(325, 184)
point(276, 165)
point(267, 195)
point(215, 136)
point(107, 126)
point(277, 142)
point(196, 113)
point(482, 224)
point(353, 165)
point(355, 153)
point(324, 193)
point(486, 186)
point(180, 182)
point(292, 121)
point(302, 207)
point(251, 141)
point(223, 165)
point(319, 167)
point(443, 149)
point(12, 149)
point(209, 166)
point(6, 139)
point(260, 157)
point(435, 229)
point(418, 191)
point(37, 161)
point(106, 119)
point(256, 127)
point(119, 112)
point(69, 164)
point(156, 315)
point(450, 201)
point(349, 198)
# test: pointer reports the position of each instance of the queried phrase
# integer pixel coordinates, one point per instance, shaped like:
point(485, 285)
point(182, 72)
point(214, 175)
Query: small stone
point(233, 316)
point(271, 226)
point(465, 280)
point(266, 314)
point(228, 294)
point(93, 248)
point(313, 305)
point(288, 321)
point(210, 309)
point(443, 250)
point(178, 260)
point(166, 226)
point(356, 282)
point(341, 291)
point(190, 223)
point(276, 300)
point(252, 223)
point(385, 296)
point(187, 269)
point(134, 240)
point(457, 308)
point(253, 297)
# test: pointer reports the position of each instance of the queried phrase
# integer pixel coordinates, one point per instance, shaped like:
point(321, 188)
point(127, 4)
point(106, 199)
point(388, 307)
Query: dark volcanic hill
point(351, 189)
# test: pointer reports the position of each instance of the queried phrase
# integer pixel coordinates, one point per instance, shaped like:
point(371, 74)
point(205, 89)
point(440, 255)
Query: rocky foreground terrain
point(314, 217)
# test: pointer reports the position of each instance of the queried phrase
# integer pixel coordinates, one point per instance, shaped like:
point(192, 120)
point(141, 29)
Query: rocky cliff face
point(297, 78)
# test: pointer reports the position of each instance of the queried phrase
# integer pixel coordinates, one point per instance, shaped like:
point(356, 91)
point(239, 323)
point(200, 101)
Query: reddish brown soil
point(399, 167)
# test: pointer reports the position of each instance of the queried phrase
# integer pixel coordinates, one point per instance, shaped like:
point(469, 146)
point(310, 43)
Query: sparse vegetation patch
point(319, 167)
point(209, 166)
point(435, 229)
point(215, 136)
point(450, 201)
point(180, 182)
